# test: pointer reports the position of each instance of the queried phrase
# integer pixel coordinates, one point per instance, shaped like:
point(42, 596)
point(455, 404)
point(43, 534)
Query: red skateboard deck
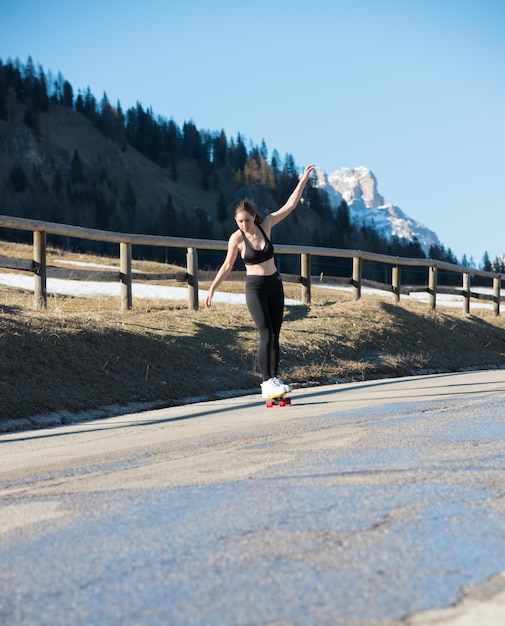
point(281, 401)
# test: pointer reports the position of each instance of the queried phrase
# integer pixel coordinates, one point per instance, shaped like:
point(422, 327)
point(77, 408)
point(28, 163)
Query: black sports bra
point(253, 256)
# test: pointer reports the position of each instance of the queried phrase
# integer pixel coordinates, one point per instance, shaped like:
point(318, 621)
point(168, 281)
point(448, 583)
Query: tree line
point(268, 180)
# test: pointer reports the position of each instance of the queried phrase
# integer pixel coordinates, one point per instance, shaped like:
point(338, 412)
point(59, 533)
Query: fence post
point(432, 285)
point(125, 275)
point(466, 293)
point(40, 270)
point(496, 294)
point(357, 265)
point(305, 277)
point(396, 278)
point(192, 269)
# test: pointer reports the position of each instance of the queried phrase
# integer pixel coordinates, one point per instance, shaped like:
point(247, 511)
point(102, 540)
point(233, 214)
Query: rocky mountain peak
point(358, 187)
point(356, 183)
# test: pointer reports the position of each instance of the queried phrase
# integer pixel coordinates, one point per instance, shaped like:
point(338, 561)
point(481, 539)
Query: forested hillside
point(67, 157)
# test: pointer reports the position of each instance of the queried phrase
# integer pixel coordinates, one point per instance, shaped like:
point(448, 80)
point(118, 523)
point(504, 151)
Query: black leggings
point(264, 296)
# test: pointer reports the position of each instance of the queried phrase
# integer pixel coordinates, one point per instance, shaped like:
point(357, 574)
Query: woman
point(264, 291)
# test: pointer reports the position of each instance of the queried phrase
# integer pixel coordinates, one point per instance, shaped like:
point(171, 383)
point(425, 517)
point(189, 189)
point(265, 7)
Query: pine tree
point(191, 141)
point(220, 149)
point(89, 109)
point(40, 92)
point(79, 103)
point(68, 95)
point(29, 80)
point(14, 80)
point(222, 211)
point(275, 163)
point(263, 150)
point(239, 154)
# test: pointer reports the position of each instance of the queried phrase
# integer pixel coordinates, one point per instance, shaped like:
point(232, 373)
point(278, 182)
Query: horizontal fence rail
point(125, 275)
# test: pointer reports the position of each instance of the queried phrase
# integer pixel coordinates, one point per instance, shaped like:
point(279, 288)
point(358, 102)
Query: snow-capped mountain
point(358, 187)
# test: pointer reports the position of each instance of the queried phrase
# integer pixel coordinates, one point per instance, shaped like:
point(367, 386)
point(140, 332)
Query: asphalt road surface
point(375, 503)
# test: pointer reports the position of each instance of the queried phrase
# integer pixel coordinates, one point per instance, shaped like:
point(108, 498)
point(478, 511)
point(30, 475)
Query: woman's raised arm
point(294, 198)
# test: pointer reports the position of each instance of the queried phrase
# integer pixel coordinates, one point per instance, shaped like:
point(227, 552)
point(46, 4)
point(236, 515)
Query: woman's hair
point(248, 207)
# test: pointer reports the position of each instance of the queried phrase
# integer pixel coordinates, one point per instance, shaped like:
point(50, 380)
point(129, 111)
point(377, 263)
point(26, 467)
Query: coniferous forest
point(67, 157)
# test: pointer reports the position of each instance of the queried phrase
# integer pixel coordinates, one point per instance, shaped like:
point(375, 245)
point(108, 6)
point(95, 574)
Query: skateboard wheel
point(281, 401)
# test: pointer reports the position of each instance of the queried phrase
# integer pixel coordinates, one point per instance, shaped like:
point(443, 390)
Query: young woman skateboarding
point(263, 289)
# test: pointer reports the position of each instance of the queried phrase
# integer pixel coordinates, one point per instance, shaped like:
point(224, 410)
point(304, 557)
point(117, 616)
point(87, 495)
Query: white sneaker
point(271, 389)
point(278, 381)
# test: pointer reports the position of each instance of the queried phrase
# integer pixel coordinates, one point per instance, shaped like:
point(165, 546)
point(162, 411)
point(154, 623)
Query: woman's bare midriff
point(261, 269)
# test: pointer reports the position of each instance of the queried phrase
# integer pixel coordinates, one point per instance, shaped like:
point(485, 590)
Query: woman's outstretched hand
point(308, 171)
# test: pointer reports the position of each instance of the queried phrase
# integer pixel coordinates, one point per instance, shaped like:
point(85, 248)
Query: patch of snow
point(86, 264)
point(139, 290)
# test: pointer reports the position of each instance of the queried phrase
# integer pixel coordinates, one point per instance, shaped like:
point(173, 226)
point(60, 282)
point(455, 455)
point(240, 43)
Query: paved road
point(375, 503)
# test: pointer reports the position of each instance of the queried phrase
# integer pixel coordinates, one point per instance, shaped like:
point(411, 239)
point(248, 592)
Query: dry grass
point(84, 354)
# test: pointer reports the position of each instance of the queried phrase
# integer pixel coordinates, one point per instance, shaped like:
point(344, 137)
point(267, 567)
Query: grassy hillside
point(84, 356)
point(106, 169)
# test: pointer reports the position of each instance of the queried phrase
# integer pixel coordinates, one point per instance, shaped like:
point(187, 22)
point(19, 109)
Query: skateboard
point(279, 401)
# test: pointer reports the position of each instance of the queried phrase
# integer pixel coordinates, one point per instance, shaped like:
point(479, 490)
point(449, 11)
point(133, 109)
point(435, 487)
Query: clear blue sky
point(412, 89)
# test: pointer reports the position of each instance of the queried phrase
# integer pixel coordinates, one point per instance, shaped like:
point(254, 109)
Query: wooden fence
point(41, 271)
